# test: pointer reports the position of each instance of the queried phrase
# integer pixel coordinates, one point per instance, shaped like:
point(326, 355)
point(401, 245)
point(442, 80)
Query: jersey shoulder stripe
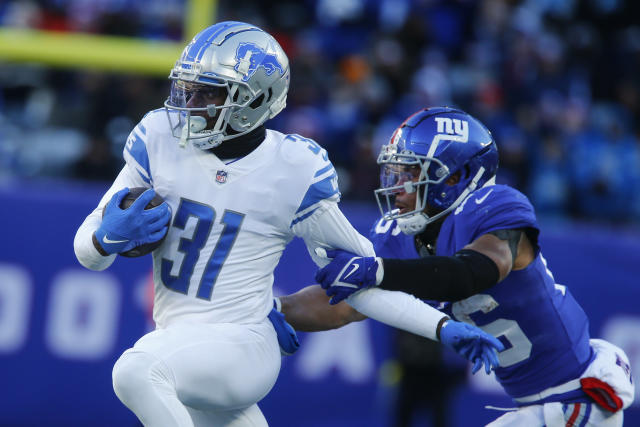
point(326, 188)
point(315, 172)
point(135, 153)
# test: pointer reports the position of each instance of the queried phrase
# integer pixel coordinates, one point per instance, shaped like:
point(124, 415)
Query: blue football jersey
point(544, 329)
point(390, 242)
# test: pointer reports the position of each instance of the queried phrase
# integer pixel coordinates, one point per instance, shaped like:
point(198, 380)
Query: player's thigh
point(247, 417)
point(218, 366)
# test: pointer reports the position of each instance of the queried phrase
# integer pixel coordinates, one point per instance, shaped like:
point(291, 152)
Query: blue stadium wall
point(63, 327)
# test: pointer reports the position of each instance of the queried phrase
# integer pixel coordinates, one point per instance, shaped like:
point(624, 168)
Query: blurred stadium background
point(557, 81)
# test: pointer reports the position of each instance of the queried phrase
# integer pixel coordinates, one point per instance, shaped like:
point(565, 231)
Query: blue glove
point(287, 338)
point(346, 273)
point(124, 229)
point(472, 343)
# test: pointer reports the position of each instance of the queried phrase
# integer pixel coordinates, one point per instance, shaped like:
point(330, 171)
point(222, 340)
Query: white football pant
point(555, 414)
point(199, 374)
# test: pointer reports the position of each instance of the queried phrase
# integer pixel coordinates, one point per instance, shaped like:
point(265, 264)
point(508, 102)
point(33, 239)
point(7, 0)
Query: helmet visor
point(197, 96)
point(393, 176)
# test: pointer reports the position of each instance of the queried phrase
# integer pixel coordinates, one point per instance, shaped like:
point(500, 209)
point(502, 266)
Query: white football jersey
point(230, 222)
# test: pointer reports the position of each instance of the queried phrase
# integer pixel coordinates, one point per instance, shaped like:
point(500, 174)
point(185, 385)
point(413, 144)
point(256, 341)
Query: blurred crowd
point(557, 82)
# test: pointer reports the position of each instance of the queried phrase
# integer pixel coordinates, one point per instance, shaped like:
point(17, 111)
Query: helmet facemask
point(205, 107)
point(430, 186)
point(408, 172)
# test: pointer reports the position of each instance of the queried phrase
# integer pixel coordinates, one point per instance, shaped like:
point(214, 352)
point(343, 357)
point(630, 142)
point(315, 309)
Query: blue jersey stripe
point(144, 178)
point(318, 191)
point(142, 129)
point(303, 217)
point(323, 170)
point(138, 150)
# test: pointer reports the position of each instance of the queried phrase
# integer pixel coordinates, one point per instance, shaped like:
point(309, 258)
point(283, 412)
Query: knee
point(133, 375)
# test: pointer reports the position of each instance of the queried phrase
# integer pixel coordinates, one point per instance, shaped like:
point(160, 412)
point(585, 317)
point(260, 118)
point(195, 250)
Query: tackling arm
point(479, 266)
point(308, 310)
point(328, 227)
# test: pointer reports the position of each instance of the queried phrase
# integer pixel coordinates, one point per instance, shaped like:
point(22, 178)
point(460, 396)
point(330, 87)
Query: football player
point(236, 194)
point(448, 233)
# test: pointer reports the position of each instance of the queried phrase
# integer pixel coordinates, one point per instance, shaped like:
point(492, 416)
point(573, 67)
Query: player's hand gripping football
point(473, 344)
point(347, 273)
point(124, 229)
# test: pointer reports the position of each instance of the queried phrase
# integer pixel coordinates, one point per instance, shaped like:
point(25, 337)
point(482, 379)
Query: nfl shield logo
point(221, 177)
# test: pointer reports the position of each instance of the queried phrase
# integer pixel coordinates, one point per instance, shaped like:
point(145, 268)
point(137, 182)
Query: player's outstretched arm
point(328, 228)
point(480, 265)
point(308, 310)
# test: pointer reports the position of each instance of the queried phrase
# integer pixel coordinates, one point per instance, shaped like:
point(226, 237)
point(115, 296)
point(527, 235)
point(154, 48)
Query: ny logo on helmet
point(456, 127)
point(250, 57)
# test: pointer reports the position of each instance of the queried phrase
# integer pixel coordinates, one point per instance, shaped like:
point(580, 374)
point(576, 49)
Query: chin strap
point(194, 124)
point(413, 224)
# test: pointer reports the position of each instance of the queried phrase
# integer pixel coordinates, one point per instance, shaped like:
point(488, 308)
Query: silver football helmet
point(230, 79)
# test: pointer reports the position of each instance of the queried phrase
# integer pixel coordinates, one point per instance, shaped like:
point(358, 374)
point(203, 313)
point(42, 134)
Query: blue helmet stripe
point(205, 37)
point(198, 42)
point(323, 170)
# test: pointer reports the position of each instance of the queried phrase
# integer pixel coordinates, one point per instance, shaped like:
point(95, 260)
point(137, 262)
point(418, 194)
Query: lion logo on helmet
point(250, 57)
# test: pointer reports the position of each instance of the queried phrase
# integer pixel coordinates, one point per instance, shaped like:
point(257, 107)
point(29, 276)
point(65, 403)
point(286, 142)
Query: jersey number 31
point(190, 247)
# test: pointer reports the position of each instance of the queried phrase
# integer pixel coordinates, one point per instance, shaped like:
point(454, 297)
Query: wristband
point(440, 325)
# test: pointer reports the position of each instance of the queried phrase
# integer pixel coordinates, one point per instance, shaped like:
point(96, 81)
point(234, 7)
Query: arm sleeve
point(441, 278)
point(329, 228)
point(85, 251)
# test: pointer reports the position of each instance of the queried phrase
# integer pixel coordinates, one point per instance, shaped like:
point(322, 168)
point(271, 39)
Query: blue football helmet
point(230, 79)
point(432, 145)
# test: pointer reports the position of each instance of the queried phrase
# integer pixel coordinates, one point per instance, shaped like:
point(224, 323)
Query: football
point(128, 200)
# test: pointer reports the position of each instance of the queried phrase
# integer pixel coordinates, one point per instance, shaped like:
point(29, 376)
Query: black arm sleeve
point(441, 278)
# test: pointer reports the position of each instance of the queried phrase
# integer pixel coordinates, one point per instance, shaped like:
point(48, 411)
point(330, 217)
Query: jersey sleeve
point(322, 179)
point(327, 227)
point(492, 208)
point(135, 173)
point(136, 155)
